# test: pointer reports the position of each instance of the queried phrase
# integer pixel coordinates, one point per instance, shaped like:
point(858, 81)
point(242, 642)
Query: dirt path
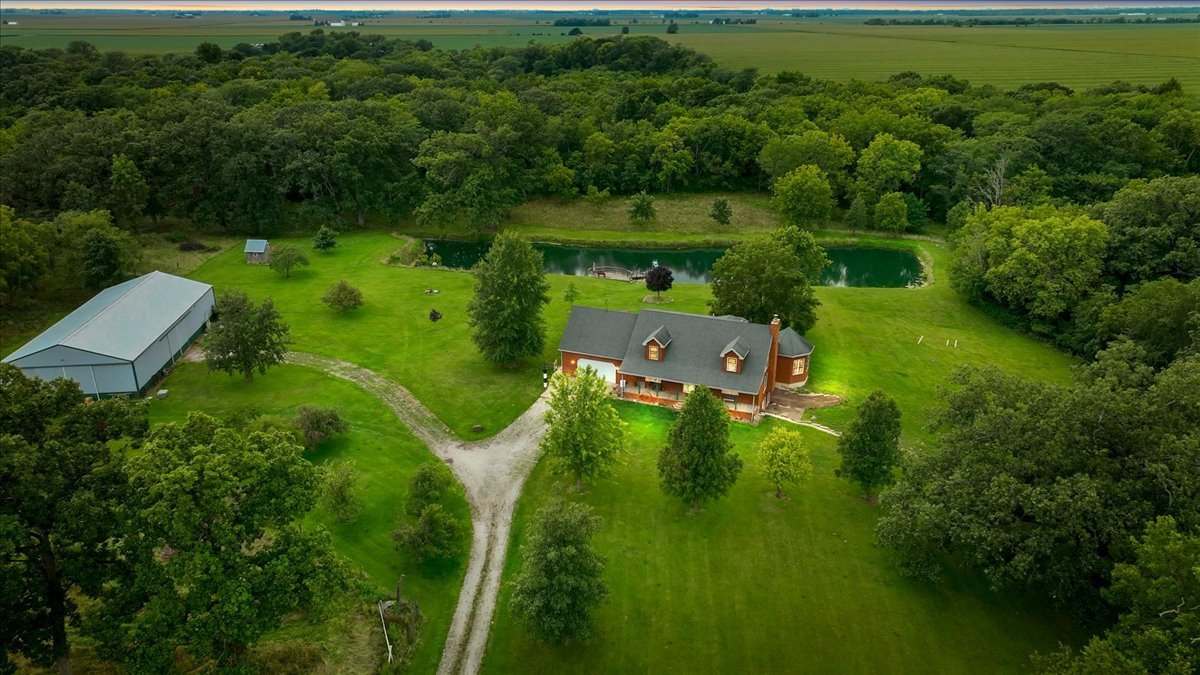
point(492, 471)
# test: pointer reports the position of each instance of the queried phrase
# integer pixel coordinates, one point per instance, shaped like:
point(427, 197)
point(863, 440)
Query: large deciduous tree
point(63, 491)
point(506, 312)
point(219, 558)
point(23, 257)
point(1042, 487)
point(759, 279)
point(803, 195)
point(1154, 229)
point(870, 448)
point(127, 192)
point(1162, 317)
point(559, 583)
point(659, 279)
point(885, 165)
point(585, 434)
point(698, 461)
point(245, 337)
point(827, 151)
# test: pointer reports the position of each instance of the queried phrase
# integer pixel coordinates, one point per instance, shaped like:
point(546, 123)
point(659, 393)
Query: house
point(121, 340)
point(660, 357)
point(258, 251)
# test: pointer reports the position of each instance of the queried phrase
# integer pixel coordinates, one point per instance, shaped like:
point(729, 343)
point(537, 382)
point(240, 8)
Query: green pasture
point(384, 454)
point(759, 585)
point(836, 48)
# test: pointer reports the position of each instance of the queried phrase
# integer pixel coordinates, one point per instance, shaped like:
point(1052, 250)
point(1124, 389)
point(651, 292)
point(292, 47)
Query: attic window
point(731, 364)
point(652, 352)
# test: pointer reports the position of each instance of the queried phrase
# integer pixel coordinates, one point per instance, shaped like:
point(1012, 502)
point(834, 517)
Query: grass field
point(839, 48)
point(385, 455)
point(759, 585)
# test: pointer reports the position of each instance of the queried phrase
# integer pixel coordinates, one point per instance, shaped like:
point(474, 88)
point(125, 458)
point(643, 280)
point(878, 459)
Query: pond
point(850, 265)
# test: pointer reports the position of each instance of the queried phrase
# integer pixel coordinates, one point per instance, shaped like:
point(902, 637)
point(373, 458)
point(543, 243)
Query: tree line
point(345, 126)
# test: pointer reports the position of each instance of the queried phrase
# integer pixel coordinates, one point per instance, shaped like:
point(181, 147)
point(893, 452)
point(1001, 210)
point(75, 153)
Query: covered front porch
point(669, 394)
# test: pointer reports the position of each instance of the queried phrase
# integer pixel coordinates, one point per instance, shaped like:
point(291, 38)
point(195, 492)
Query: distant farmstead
point(121, 340)
point(258, 251)
point(660, 357)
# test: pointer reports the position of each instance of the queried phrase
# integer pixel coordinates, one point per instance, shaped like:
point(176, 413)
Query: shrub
point(434, 535)
point(173, 237)
point(325, 239)
point(597, 197)
point(721, 212)
point(192, 245)
point(318, 424)
point(269, 424)
point(641, 208)
point(342, 297)
point(339, 491)
point(427, 486)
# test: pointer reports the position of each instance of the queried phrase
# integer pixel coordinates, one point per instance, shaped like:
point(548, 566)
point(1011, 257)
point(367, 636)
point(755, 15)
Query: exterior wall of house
point(783, 370)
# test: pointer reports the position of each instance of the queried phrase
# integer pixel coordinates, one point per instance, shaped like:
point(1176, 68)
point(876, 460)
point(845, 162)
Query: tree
point(1041, 487)
point(287, 258)
point(672, 28)
point(891, 212)
point(317, 424)
point(342, 297)
point(101, 252)
point(23, 257)
point(219, 558)
point(127, 191)
point(870, 448)
point(339, 491)
point(570, 294)
point(62, 494)
point(698, 461)
point(1041, 261)
point(1154, 229)
point(858, 216)
point(828, 151)
point(659, 278)
point(434, 535)
point(803, 195)
point(812, 256)
point(506, 312)
point(575, 31)
point(559, 583)
point(885, 165)
point(721, 212)
point(245, 338)
point(641, 208)
point(325, 239)
point(428, 485)
point(584, 432)
point(783, 458)
point(757, 280)
point(208, 52)
point(1159, 316)
point(1159, 596)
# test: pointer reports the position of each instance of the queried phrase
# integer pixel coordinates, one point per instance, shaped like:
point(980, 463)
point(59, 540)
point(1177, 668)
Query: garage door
point(606, 370)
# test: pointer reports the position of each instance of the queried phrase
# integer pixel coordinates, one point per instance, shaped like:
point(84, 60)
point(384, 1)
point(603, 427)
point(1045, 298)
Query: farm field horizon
point(837, 48)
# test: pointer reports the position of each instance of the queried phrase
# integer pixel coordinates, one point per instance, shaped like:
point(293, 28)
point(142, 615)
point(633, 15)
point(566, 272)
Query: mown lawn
point(385, 455)
point(758, 585)
point(866, 338)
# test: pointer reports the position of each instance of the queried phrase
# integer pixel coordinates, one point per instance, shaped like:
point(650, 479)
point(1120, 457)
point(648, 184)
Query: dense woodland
point(1074, 215)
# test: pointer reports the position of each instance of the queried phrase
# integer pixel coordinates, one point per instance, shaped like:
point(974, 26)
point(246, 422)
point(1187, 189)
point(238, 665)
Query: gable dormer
point(733, 357)
point(655, 345)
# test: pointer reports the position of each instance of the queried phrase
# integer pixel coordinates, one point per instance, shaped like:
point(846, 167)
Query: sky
point(577, 5)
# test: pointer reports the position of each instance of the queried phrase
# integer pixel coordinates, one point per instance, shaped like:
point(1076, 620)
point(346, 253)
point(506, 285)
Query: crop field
point(839, 48)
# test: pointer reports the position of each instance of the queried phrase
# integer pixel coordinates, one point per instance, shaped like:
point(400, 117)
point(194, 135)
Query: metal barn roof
point(255, 246)
point(121, 321)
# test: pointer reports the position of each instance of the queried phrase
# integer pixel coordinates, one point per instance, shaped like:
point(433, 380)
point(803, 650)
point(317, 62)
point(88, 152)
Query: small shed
point(258, 251)
point(119, 341)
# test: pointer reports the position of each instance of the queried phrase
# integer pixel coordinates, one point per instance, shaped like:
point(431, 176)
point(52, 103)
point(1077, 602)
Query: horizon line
point(586, 5)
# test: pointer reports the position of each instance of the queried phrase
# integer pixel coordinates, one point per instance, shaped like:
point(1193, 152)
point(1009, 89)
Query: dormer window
point(734, 354)
point(656, 344)
point(731, 364)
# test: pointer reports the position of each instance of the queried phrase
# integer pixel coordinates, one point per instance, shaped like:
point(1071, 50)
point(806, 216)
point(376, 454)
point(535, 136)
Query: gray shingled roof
point(660, 335)
point(738, 346)
point(121, 321)
point(793, 344)
point(695, 356)
point(597, 332)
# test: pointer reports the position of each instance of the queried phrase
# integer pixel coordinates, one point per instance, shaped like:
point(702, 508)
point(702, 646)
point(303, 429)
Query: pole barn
point(121, 340)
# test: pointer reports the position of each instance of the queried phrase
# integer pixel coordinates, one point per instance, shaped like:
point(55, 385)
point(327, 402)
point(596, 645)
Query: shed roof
point(121, 321)
point(256, 246)
point(695, 356)
point(597, 332)
point(793, 344)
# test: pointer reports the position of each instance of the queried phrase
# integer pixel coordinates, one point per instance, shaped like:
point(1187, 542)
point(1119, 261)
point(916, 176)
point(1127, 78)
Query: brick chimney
point(773, 356)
